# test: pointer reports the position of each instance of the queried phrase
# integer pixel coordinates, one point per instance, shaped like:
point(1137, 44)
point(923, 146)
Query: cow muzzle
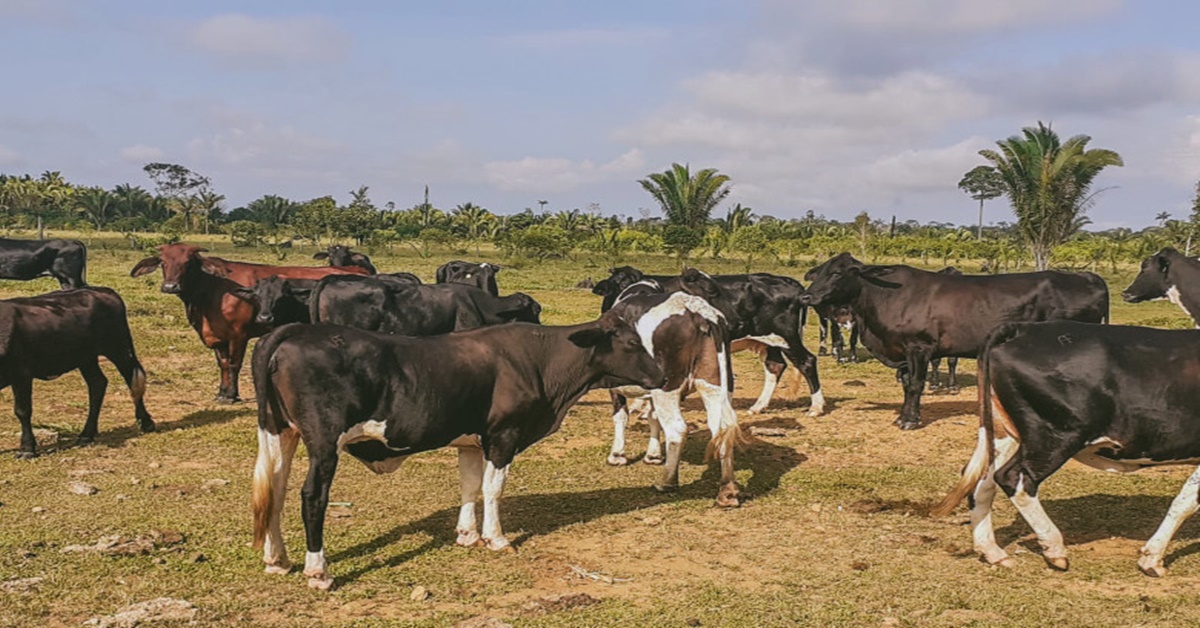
point(265, 319)
point(171, 287)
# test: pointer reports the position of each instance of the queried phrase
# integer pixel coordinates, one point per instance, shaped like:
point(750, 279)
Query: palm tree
point(53, 193)
point(208, 206)
point(1048, 183)
point(687, 200)
point(97, 204)
point(474, 220)
point(738, 217)
point(1162, 218)
point(983, 183)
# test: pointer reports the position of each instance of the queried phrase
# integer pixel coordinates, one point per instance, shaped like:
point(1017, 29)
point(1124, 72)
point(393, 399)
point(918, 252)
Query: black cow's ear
point(245, 294)
point(1163, 262)
point(591, 337)
point(145, 266)
point(321, 255)
point(300, 293)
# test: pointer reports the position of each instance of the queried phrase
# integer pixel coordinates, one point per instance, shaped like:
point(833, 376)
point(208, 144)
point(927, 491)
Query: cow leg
point(854, 343)
point(824, 325)
point(616, 454)
point(135, 378)
point(1183, 506)
point(493, 487)
point(773, 368)
point(806, 362)
point(952, 367)
point(935, 377)
point(221, 351)
point(97, 384)
point(654, 450)
point(670, 417)
point(470, 479)
point(276, 452)
point(322, 463)
point(1035, 459)
point(237, 354)
point(838, 342)
point(23, 408)
point(723, 426)
point(982, 529)
point(912, 376)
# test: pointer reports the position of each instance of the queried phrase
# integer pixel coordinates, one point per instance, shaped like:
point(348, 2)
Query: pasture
point(835, 532)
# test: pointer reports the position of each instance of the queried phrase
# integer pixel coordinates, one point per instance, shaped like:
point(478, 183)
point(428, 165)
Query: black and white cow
point(341, 255)
point(760, 306)
point(1168, 274)
point(490, 392)
point(907, 316)
point(690, 340)
point(386, 304)
point(65, 260)
point(482, 276)
point(1112, 397)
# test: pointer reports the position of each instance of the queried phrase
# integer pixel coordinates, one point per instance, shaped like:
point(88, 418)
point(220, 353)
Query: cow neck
point(196, 283)
point(1183, 289)
point(860, 306)
point(564, 370)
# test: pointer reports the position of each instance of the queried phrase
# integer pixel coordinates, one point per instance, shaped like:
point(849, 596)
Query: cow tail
point(314, 303)
point(83, 264)
point(729, 435)
point(271, 422)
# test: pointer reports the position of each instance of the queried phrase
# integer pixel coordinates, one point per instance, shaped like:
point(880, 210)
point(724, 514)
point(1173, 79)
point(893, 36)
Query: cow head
point(1154, 281)
point(270, 295)
point(618, 356)
point(527, 309)
point(337, 254)
point(179, 262)
point(835, 282)
point(482, 276)
point(618, 280)
point(699, 283)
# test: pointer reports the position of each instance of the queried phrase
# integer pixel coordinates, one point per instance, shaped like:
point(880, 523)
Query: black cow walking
point(1112, 397)
point(491, 393)
point(65, 260)
point(46, 336)
point(907, 316)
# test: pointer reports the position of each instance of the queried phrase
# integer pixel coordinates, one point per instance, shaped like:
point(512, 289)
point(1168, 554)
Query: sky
point(833, 106)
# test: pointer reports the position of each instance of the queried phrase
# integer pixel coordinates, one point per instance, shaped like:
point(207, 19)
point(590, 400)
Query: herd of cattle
point(383, 366)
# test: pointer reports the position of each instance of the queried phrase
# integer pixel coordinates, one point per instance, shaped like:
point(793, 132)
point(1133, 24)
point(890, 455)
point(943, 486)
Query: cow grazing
point(907, 316)
point(224, 321)
point(1116, 398)
point(482, 276)
point(490, 392)
point(341, 255)
point(386, 304)
point(689, 339)
point(760, 306)
point(65, 260)
point(46, 336)
point(1168, 274)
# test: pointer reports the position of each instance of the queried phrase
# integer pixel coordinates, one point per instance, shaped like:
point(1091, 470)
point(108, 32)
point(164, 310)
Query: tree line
point(1048, 182)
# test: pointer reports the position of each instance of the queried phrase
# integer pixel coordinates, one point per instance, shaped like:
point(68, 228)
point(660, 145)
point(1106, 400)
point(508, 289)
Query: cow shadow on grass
point(932, 411)
point(1089, 518)
point(118, 435)
point(540, 514)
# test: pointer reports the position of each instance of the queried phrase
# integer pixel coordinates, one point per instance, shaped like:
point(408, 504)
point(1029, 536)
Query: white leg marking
point(1047, 533)
point(616, 455)
point(314, 568)
point(493, 488)
point(669, 415)
point(654, 451)
point(470, 477)
point(818, 404)
point(1183, 506)
point(768, 389)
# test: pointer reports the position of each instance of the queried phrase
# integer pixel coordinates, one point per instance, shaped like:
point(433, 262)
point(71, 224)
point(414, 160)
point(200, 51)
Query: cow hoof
point(1006, 562)
point(654, 460)
point(84, 441)
point(953, 390)
point(278, 569)
point(754, 410)
point(728, 497)
point(666, 488)
point(321, 582)
point(909, 425)
point(26, 455)
point(815, 411)
point(1059, 563)
point(469, 539)
point(147, 426)
point(500, 545)
point(823, 351)
point(617, 460)
point(1154, 571)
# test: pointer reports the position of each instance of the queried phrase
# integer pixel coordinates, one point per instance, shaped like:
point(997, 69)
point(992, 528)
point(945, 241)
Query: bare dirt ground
point(835, 532)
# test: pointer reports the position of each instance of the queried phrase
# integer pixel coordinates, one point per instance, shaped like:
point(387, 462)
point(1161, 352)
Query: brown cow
point(224, 321)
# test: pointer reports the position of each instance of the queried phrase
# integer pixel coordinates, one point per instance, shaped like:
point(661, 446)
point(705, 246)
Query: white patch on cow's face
point(1174, 297)
point(676, 305)
point(372, 430)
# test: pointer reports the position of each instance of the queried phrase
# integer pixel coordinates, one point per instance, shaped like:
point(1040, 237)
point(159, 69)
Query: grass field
point(835, 533)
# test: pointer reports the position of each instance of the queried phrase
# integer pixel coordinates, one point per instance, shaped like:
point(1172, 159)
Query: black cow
point(482, 276)
point(760, 306)
point(279, 301)
point(341, 255)
point(65, 260)
point(1116, 398)
point(1168, 274)
point(907, 316)
point(46, 336)
point(491, 393)
point(935, 365)
point(386, 304)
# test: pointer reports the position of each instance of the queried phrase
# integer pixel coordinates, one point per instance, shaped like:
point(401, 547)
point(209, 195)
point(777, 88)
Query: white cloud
point(956, 16)
point(244, 140)
point(935, 169)
point(584, 37)
point(9, 157)
point(533, 174)
point(242, 38)
point(141, 153)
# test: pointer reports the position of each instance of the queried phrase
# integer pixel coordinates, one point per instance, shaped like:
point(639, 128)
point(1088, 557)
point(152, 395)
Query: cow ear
point(1163, 262)
point(245, 294)
point(212, 267)
point(321, 255)
point(145, 266)
point(301, 293)
point(590, 337)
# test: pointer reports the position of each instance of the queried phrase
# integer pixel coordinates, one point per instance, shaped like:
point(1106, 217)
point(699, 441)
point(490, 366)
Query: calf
point(341, 255)
point(278, 301)
point(907, 316)
point(388, 305)
point(46, 336)
point(206, 286)
point(65, 260)
point(490, 392)
point(482, 276)
point(690, 341)
point(1171, 275)
point(1112, 397)
point(760, 306)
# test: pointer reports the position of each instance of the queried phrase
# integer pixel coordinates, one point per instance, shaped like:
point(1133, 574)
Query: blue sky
point(837, 106)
